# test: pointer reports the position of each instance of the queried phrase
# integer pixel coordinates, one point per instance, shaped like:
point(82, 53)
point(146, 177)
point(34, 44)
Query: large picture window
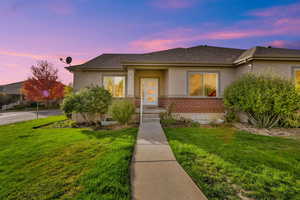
point(115, 85)
point(297, 78)
point(203, 84)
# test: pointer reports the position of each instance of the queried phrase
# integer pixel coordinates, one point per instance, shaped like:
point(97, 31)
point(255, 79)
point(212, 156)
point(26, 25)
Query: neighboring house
point(12, 88)
point(193, 78)
point(11, 95)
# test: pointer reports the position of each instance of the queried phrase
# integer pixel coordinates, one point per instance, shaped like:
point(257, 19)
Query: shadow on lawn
point(111, 134)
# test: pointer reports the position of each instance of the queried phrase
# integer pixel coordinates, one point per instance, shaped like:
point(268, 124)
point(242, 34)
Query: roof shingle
point(194, 55)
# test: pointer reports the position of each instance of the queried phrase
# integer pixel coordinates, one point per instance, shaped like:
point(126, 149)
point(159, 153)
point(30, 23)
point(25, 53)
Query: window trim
point(125, 84)
point(294, 69)
point(203, 72)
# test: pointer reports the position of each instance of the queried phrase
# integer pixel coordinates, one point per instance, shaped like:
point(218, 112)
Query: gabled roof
point(268, 52)
point(203, 54)
point(193, 55)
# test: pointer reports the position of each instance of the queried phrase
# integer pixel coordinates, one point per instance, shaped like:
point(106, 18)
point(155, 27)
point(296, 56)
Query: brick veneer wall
point(191, 105)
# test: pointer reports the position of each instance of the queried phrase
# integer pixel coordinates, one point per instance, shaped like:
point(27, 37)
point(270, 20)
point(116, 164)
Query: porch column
point(130, 83)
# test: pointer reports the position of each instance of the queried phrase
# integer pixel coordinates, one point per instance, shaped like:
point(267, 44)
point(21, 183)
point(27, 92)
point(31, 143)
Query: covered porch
point(151, 84)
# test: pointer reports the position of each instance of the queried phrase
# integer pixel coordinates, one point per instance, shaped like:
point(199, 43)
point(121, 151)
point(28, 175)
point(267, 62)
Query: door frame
point(158, 88)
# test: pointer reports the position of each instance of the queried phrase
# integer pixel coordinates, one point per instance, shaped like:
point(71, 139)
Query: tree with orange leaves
point(43, 86)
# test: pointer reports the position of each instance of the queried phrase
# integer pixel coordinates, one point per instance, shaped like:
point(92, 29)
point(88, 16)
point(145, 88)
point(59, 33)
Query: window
point(115, 85)
point(297, 78)
point(203, 84)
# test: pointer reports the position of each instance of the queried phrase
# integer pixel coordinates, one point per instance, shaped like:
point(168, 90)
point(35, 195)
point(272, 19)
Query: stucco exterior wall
point(242, 69)
point(178, 79)
point(82, 79)
point(85, 79)
point(160, 74)
point(277, 68)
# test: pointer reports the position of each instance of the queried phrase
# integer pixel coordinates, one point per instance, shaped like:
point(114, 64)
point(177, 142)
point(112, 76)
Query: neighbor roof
point(268, 52)
point(202, 54)
point(12, 88)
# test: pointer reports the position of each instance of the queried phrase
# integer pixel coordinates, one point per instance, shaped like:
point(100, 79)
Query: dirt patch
point(284, 132)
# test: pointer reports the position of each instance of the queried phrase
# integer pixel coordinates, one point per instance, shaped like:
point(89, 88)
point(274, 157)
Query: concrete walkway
point(156, 175)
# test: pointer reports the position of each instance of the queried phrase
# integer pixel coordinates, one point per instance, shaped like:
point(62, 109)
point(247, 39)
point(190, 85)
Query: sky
point(32, 30)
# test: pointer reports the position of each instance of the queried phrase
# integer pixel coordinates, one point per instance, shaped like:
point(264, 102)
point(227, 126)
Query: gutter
point(246, 60)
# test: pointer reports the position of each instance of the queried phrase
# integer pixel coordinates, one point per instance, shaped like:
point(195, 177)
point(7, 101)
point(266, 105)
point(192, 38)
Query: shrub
point(89, 103)
point(265, 99)
point(168, 115)
point(68, 104)
point(291, 121)
point(230, 116)
point(122, 111)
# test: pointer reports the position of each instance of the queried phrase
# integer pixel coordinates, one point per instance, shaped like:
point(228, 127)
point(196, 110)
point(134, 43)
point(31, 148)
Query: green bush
point(230, 116)
point(88, 102)
point(68, 104)
point(265, 99)
point(122, 111)
point(291, 121)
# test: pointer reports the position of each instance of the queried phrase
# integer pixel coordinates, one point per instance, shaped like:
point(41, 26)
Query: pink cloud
point(173, 4)
point(285, 44)
point(277, 43)
point(154, 44)
point(228, 35)
point(278, 11)
point(267, 24)
point(18, 54)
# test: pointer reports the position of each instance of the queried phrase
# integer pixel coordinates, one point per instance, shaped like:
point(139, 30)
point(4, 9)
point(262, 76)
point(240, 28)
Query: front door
point(149, 90)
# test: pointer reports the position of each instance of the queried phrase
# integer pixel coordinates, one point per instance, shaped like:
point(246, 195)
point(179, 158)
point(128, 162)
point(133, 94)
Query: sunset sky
point(32, 30)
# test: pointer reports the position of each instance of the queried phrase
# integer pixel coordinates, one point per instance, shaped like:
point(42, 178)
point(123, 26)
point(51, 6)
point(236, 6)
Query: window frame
point(204, 72)
point(125, 83)
point(294, 69)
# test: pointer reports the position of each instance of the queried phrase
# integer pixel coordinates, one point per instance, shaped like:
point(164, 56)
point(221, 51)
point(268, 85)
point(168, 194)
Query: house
point(11, 95)
point(12, 88)
point(193, 78)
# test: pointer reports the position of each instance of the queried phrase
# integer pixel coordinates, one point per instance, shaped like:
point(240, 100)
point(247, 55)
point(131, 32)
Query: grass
point(64, 163)
point(230, 164)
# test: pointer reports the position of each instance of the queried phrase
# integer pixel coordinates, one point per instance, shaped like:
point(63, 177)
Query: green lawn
point(226, 163)
point(64, 163)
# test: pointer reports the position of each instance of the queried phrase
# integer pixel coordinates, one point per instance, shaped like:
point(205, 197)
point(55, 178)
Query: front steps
point(151, 114)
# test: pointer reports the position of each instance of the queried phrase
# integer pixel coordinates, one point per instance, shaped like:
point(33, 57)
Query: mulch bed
point(268, 132)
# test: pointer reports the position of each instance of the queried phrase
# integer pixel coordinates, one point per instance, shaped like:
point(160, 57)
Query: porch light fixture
point(250, 68)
